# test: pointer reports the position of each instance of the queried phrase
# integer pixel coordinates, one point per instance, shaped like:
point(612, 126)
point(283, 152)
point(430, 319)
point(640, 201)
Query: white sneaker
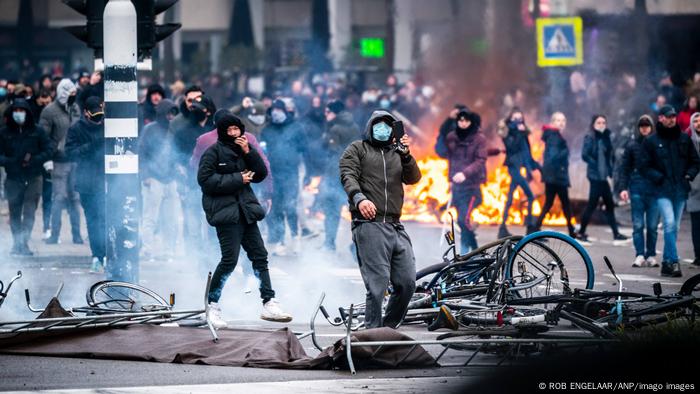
point(639, 261)
point(46, 235)
point(273, 312)
point(214, 316)
point(651, 261)
point(97, 267)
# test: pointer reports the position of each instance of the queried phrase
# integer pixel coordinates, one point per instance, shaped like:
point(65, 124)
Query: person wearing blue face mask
point(373, 172)
point(24, 148)
point(284, 143)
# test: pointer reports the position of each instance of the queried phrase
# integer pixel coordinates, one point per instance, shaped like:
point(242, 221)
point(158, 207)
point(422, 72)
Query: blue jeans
point(466, 200)
point(645, 215)
point(518, 180)
point(671, 210)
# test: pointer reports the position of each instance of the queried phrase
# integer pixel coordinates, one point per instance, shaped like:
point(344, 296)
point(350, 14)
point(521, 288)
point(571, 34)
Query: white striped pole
point(123, 198)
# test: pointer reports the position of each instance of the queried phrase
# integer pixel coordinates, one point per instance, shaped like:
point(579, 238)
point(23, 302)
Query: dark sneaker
point(582, 237)
point(25, 252)
point(503, 232)
point(78, 240)
point(671, 269)
point(696, 262)
point(15, 251)
point(620, 237)
point(531, 229)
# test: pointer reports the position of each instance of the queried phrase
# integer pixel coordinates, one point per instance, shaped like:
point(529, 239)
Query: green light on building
point(372, 47)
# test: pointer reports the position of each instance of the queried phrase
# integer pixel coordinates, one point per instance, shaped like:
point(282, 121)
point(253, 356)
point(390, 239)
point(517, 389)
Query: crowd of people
point(222, 164)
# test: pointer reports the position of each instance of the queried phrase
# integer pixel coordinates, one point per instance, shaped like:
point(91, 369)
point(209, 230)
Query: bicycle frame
point(3, 292)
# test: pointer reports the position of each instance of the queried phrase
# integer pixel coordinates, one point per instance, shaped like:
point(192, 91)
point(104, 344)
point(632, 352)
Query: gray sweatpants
point(385, 256)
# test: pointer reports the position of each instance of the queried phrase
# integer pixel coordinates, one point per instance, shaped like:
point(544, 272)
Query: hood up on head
point(19, 103)
point(63, 90)
point(163, 108)
point(376, 116)
point(648, 119)
point(474, 126)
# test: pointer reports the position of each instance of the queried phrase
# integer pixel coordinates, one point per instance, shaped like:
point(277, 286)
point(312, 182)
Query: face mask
point(19, 117)
point(97, 118)
point(278, 116)
point(381, 132)
point(600, 129)
point(71, 100)
point(385, 104)
point(199, 114)
point(257, 119)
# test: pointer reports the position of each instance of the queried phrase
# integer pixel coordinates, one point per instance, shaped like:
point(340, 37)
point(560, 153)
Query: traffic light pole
point(123, 211)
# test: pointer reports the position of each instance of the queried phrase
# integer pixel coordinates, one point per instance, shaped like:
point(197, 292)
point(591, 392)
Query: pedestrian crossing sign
point(559, 41)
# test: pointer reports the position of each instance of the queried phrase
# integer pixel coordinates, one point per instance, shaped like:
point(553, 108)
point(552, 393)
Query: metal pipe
point(348, 343)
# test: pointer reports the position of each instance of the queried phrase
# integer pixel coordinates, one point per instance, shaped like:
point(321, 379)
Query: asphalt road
point(298, 281)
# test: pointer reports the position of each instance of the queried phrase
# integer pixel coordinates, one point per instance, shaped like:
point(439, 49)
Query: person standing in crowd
point(671, 163)
point(184, 139)
point(597, 153)
point(43, 100)
point(341, 131)
point(225, 172)
point(147, 110)
point(515, 135)
point(183, 120)
point(85, 147)
point(373, 172)
point(56, 118)
point(24, 148)
point(633, 186)
point(466, 154)
point(690, 108)
point(555, 171)
point(158, 188)
point(285, 142)
point(694, 196)
point(314, 155)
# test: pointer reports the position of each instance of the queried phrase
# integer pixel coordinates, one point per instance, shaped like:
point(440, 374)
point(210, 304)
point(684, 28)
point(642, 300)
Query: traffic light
point(148, 32)
point(91, 32)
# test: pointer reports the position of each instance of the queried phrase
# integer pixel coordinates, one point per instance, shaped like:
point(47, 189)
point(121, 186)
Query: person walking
point(373, 172)
point(55, 119)
point(597, 153)
point(24, 148)
point(85, 147)
point(635, 187)
point(226, 170)
point(694, 195)
point(555, 171)
point(466, 155)
point(671, 163)
point(515, 133)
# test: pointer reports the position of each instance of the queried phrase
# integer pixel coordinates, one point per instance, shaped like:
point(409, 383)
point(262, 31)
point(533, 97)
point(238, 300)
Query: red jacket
point(684, 119)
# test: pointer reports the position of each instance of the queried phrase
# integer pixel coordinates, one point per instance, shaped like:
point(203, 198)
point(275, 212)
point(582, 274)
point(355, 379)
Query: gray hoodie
point(694, 196)
point(58, 116)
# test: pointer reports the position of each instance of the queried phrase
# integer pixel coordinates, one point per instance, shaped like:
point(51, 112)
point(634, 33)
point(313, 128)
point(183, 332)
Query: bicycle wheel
point(546, 263)
point(118, 297)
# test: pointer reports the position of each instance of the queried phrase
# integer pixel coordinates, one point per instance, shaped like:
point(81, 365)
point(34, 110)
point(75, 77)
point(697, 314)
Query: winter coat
point(670, 162)
point(16, 142)
point(225, 198)
point(518, 153)
point(376, 173)
point(57, 117)
point(156, 146)
point(630, 176)
point(591, 154)
point(147, 111)
point(467, 153)
point(340, 133)
point(85, 145)
point(555, 168)
point(284, 144)
point(694, 195)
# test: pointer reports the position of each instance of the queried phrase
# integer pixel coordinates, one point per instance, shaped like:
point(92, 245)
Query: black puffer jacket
point(226, 199)
point(555, 169)
point(590, 154)
point(86, 147)
point(18, 142)
point(671, 161)
point(518, 149)
point(630, 175)
point(371, 171)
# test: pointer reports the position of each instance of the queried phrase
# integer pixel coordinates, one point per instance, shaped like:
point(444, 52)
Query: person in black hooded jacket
point(24, 148)
point(154, 94)
point(86, 148)
point(225, 172)
point(597, 152)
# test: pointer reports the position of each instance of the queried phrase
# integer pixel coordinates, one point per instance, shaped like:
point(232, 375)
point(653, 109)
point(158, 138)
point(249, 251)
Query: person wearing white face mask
point(598, 154)
point(24, 148)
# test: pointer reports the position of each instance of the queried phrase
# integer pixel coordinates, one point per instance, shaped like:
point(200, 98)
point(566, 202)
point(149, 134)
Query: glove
point(48, 166)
